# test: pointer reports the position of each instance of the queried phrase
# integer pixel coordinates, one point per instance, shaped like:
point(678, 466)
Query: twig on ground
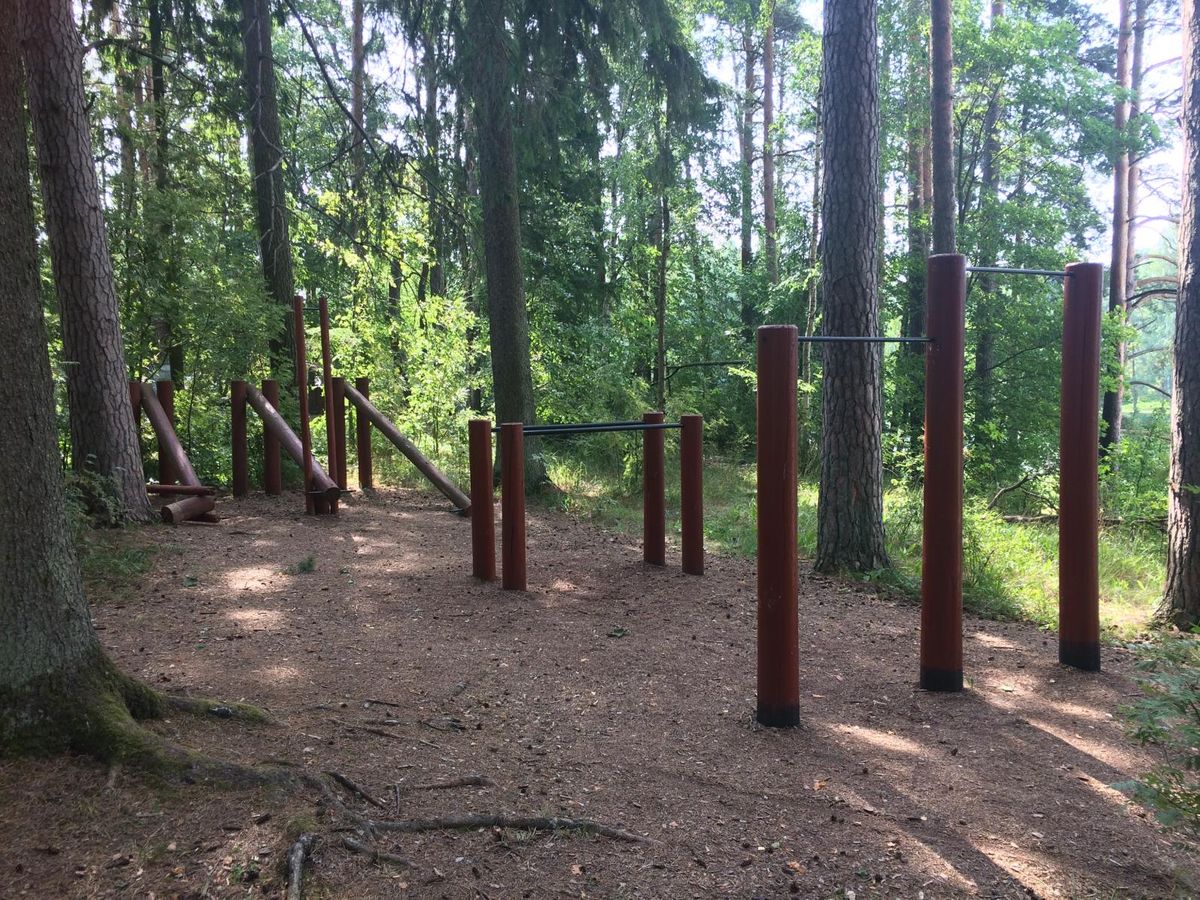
point(296, 856)
point(354, 789)
point(385, 703)
point(378, 732)
point(520, 823)
point(464, 781)
point(374, 855)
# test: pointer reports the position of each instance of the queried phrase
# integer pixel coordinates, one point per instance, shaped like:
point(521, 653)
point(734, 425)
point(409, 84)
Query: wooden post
point(324, 487)
point(164, 392)
point(654, 500)
point(339, 429)
point(1078, 476)
point(778, 575)
point(331, 460)
point(512, 505)
point(272, 474)
point(312, 505)
point(362, 433)
point(941, 542)
point(483, 515)
point(691, 493)
point(241, 474)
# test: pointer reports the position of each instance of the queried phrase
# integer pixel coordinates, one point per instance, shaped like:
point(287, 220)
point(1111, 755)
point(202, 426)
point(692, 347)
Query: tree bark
point(770, 242)
point(850, 512)
point(942, 118)
point(58, 690)
point(266, 159)
point(491, 94)
point(358, 157)
point(1181, 600)
point(746, 147)
point(1110, 431)
point(103, 438)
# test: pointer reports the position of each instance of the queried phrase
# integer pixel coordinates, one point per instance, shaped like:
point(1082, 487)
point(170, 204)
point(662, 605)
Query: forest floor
point(611, 691)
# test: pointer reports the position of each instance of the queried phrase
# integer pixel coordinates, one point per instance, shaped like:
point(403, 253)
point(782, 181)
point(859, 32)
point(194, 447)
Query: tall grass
point(1010, 570)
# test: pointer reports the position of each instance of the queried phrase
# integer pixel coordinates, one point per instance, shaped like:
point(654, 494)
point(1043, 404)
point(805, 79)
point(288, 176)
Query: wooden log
point(189, 508)
point(435, 475)
point(170, 448)
point(275, 425)
point(187, 490)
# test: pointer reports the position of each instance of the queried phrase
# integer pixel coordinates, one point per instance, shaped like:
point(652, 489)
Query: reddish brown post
point(272, 475)
point(691, 493)
point(512, 505)
point(483, 514)
point(311, 503)
point(241, 466)
point(362, 434)
point(135, 400)
point(331, 464)
point(654, 500)
point(325, 489)
point(1078, 477)
point(165, 393)
point(191, 507)
point(339, 429)
point(778, 578)
point(941, 544)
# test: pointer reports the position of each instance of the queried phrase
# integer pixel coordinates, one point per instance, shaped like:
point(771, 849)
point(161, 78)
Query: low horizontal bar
point(864, 339)
point(597, 428)
point(1008, 270)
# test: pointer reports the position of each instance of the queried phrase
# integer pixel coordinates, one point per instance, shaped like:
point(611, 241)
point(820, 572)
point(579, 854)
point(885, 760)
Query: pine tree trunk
point(942, 118)
point(266, 159)
point(491, 92)
point(1110, 430)
point(358, 157)
point(103, 438)
point(58, 691)
point(433, 178)
point(1181, 602)
point(746, 147)
point(770, 242)
point(850, 512)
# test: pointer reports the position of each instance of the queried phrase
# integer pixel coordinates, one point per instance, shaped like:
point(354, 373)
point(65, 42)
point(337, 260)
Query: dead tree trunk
point(1181, 601)
point(103, 438)
point(850, 511)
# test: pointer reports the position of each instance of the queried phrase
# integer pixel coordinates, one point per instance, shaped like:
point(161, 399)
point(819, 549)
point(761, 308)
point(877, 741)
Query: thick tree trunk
point(432, 166)
point(491, 92)
point(1181, 602)
point(850, 512)
point(770, 241)
point(942, 119)
point(103, 437)
point(168, 341)
point(358, 157)
point(58, 691)
point(1110, 429)
point(266, 160)
point(746, 148)
point(812, 306)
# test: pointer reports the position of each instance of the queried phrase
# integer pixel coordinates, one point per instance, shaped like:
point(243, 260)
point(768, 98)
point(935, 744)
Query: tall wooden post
point(691, 493)
point(165, 392)
point(483, 514)
point(362, 433)
point(239, 450)
point(311, 503)
point(654, 500)
point(339, 430)
point(512, 506)
point(272, 474)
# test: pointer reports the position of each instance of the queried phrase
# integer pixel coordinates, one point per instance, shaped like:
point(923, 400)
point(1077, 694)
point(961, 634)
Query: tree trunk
point(942, 119)
point(103, 437)
point(746, 146)
point(1110, 430)
point(1181, 601)
point(770, 243)
point(491, 93)
point(266, 159)
point(850, 512)
point(433, 182)
point(812, 305)
point(58, 690)
point(358, 157)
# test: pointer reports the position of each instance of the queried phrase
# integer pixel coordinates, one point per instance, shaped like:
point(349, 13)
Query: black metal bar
point(596, 427)
point(1009, 270)
point(856, 339)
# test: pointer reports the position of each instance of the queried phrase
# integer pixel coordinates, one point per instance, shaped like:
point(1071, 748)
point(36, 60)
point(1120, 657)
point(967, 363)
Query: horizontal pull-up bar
point(595, 428)
point(1010, 270)
point(859, 339)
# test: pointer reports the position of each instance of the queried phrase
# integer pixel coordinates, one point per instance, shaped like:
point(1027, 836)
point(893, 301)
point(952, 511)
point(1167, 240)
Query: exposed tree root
point(374, 855)
point(355, 790)
point(464, 781)
point(296, 856)
point(202, 706)
point(520, 823)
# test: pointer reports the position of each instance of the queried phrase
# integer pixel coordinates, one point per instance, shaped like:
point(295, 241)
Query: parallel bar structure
point(1011, 270)
point(778, 573)
point(512, 506)
point(1078, 492)
point(598, 428)
point(483, 513)
point(362, 435)
point(272, 473)
point(858, 339)
point(237, 430)
point(273, 422)
point(941, 543)
point(691, 493)
point(654, 491)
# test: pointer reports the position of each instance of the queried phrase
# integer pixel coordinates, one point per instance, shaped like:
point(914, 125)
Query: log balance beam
point(324, 491)
point(171, 449)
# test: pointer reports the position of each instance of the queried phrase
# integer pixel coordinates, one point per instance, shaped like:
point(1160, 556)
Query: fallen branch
point(520, 823)
point(374, 855)
point(354, 789)
point(464, 781)
point(296, 856)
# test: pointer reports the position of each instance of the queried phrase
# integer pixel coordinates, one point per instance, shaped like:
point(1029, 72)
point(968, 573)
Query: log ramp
point(172, 459)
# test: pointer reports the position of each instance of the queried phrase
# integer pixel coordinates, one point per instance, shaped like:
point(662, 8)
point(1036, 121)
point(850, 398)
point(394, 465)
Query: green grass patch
point(113, 562)
point(1010, 570)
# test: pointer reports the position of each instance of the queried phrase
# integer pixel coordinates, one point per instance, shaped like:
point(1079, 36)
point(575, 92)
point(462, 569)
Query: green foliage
point(303, 567)
point(1167, 719)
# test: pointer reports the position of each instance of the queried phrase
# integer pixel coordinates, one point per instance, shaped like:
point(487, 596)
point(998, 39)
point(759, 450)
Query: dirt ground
point(612, 691)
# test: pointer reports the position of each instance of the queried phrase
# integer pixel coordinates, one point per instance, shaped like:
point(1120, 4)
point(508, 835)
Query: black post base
point(779, 715)
point(1083, 655)
point(941, 680)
